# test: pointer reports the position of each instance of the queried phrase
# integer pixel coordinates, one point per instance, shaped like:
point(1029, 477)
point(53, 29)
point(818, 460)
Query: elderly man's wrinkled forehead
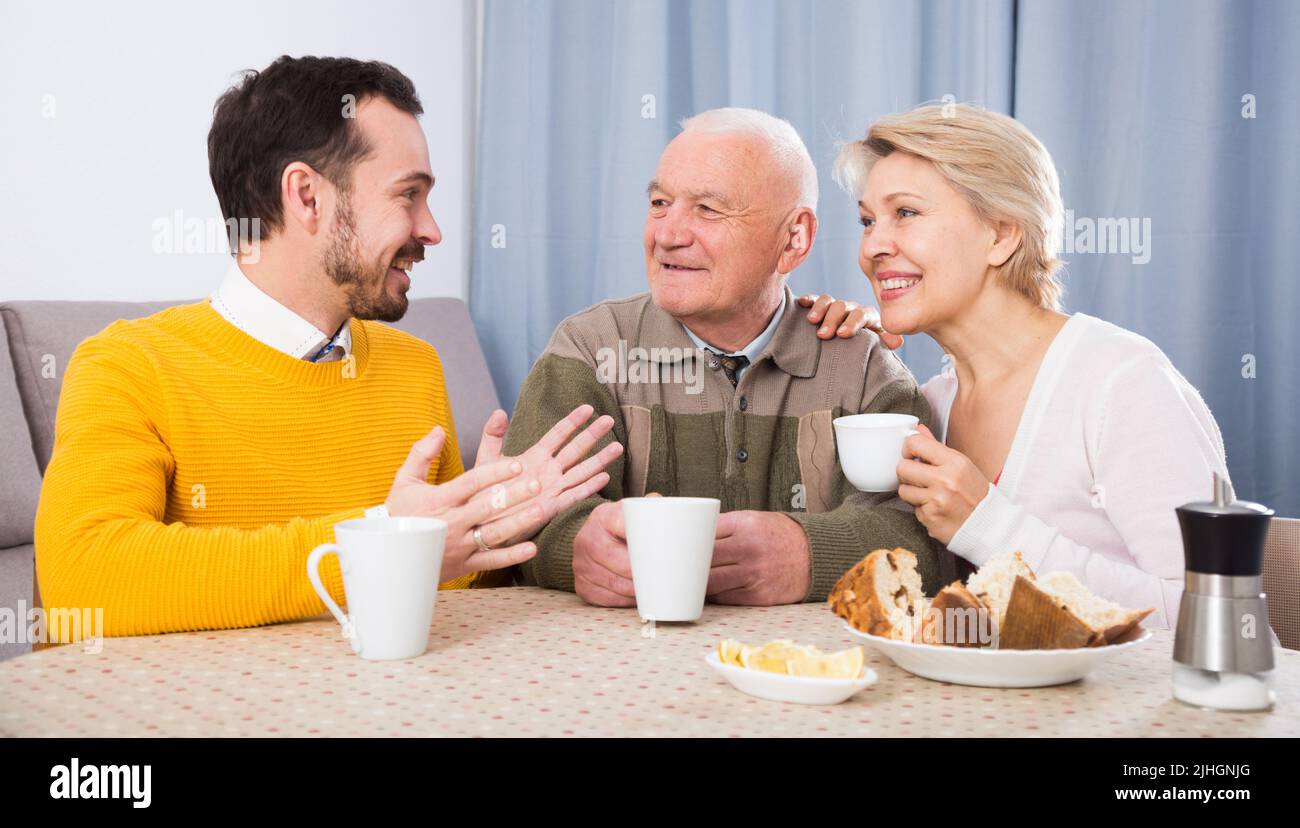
point(734, 167)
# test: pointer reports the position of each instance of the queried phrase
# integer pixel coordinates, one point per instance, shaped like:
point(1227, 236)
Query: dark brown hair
point(294, 110)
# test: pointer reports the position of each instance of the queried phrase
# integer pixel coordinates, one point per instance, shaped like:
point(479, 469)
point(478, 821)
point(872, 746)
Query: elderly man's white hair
point(786, 146)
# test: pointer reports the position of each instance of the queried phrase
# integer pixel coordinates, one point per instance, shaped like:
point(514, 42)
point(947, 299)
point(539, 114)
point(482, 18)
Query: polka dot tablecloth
point(532, 662)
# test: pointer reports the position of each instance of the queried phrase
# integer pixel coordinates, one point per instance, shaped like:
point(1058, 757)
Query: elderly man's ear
point(799, 241)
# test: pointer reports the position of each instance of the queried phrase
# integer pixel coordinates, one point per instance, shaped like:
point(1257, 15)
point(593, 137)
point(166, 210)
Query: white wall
point(133, 84)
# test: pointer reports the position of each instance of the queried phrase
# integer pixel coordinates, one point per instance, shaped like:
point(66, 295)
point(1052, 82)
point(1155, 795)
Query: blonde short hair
point(1005, 173)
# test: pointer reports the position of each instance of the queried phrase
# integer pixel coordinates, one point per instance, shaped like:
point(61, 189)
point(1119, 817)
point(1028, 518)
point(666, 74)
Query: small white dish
point(796, 689)
point(979, 667)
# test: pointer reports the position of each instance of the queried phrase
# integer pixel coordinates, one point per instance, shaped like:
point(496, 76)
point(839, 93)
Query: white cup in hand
point(870, 447)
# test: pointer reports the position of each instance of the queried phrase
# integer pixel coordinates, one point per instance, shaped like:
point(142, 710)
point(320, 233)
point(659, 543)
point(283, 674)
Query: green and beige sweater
point(767, 444)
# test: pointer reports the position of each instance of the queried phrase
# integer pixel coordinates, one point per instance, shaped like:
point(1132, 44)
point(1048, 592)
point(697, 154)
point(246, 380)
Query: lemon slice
point(785, 657)
point(846, 664)
point(775, 656)
point(732, 652)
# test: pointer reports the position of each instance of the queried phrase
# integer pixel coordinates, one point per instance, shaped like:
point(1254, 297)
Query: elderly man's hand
point(759, 559)
point(844, 319)
point(602, 569)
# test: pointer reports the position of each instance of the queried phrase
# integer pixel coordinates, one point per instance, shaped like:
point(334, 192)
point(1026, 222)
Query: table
point(532, 662)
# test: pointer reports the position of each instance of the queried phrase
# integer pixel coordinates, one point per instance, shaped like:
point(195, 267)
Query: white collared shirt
point(244, 305)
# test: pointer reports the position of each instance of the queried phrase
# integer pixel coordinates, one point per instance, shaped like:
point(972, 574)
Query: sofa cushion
point(20, 479)
point(446, 325)
point(42, 336)
point(16, 593)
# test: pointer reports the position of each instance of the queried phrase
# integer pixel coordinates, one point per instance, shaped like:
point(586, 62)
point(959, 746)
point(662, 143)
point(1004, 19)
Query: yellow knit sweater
point(194, 468)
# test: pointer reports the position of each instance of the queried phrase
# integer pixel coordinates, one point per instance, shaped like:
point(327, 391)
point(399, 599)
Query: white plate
point(797, 689)
point(997, 668)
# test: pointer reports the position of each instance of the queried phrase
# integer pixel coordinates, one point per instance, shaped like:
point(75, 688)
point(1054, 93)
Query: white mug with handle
point(390, 579)
point(870, 447)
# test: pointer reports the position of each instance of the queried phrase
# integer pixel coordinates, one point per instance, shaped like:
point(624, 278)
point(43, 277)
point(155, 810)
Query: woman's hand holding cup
point(942, 483)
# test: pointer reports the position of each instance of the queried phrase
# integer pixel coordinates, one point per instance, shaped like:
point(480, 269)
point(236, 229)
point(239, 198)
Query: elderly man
point(716, 387)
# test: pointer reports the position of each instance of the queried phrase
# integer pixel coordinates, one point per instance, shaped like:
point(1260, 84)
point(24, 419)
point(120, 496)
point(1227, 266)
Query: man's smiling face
point(713, 231)
point(382, 222)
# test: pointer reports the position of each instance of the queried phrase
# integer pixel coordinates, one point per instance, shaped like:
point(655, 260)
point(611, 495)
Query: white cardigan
point(1112, 438)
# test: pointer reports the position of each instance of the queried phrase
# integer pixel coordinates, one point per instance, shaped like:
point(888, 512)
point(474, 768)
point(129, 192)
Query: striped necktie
point(730, 364)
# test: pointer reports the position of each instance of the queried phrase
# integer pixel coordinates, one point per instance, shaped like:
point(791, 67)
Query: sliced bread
point(1038, 620)
point(993, 583)
point(1110, 618)
point(881, 595)
point(956, 617)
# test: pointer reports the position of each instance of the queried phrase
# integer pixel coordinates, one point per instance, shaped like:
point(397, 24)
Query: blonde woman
point(1063, 436)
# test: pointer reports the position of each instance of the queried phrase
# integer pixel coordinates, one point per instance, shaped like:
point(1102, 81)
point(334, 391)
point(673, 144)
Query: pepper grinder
point(1223, 650)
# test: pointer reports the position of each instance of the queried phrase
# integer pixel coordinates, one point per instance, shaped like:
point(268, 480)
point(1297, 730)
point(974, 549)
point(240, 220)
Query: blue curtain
point(1139, 102)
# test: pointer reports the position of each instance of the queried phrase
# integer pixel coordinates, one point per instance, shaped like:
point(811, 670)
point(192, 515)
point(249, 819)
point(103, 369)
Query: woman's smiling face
point(924, 249)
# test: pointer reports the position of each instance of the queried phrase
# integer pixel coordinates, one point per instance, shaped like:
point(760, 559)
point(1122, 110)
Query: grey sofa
point(36, 341)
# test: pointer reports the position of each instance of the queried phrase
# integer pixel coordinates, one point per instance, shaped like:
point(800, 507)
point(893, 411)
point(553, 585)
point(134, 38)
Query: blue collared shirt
point(753, 350)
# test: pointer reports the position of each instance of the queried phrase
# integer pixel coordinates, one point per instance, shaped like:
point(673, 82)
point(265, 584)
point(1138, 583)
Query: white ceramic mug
point(670, 543)
point(390, 580)
point(870, 447)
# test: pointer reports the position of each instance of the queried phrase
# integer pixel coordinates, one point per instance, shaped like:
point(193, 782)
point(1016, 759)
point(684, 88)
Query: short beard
point(367, 295)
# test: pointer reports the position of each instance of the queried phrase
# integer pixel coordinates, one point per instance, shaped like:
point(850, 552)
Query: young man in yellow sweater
point(201, 453)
